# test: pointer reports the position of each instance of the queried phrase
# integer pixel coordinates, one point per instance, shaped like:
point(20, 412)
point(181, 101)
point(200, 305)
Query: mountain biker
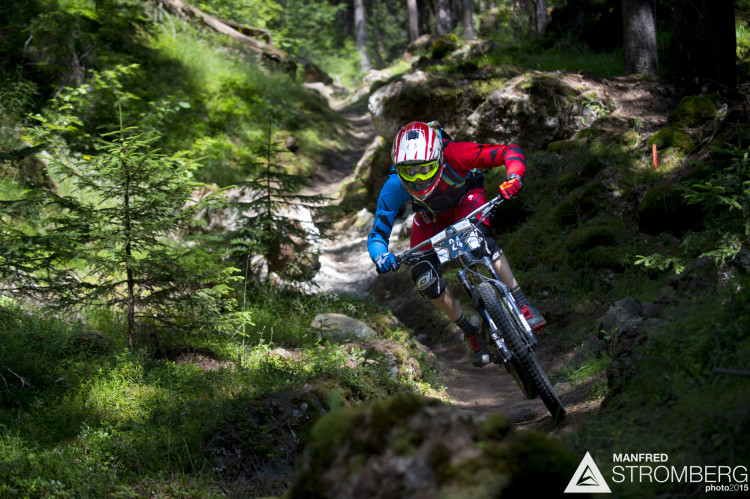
point(440, 178)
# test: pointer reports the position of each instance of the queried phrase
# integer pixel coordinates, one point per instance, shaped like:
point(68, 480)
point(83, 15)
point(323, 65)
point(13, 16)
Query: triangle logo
point(587, 478)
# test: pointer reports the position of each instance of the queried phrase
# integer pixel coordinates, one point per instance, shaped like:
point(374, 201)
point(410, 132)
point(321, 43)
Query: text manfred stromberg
point(654, 468)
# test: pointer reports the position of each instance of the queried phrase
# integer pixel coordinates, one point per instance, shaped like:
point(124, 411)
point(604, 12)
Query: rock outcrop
point(413, 447)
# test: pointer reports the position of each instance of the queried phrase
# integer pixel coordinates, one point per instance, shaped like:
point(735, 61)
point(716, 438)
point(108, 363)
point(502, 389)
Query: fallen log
point(240, 32)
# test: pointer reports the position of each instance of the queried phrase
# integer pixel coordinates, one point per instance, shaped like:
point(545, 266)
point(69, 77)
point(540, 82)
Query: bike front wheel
point(525, 360)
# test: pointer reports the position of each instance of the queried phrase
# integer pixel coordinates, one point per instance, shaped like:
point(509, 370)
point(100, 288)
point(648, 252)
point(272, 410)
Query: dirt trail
point(346, 268)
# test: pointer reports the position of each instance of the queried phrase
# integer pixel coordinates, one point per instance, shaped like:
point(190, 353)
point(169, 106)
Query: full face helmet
point(418, 156)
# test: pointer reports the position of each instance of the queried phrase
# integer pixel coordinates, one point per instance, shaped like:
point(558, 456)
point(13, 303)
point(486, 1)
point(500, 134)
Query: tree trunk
point(443, 17)
point(360, 33)
point(539, 18)
point(639, 34)
point(130, 278)
point(411, 8)
point(468, 19)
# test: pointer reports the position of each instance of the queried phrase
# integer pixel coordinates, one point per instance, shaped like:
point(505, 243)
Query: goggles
point(414, 173)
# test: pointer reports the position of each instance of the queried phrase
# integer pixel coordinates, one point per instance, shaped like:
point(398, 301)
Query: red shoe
point(536, 321)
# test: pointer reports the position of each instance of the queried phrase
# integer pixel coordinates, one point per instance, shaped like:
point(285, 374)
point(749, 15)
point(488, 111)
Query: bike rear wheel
point(526, 364)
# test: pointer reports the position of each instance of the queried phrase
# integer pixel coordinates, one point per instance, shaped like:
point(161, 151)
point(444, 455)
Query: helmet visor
point(416, 173)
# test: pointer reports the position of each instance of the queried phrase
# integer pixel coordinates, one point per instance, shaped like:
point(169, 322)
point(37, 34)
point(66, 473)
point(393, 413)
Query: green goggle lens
point(412, 173)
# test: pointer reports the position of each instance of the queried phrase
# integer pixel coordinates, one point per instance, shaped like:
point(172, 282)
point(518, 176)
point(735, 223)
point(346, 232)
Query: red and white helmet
point(418, 156)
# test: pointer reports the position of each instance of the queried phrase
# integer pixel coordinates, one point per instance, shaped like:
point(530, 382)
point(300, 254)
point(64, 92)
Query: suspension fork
point(507, 301)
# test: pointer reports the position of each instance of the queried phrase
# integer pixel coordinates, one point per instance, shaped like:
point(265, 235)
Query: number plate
point(455, 240)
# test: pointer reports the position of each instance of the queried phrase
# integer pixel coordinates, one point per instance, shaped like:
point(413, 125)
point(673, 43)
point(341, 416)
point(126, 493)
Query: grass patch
point(565, 55)
point(79, 419)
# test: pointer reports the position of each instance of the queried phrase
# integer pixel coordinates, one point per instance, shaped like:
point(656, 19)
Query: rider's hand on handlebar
point(385, 263)
point(510, 187)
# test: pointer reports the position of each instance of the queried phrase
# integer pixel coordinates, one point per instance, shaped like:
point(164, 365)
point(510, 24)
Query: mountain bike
point(506, 332)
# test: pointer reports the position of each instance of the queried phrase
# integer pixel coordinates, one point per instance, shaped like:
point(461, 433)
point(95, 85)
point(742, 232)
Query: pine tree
point(278, 222)
point(114, 241)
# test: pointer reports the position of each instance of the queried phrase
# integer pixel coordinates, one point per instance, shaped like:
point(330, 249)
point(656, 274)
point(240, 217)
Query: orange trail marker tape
point(655, 163)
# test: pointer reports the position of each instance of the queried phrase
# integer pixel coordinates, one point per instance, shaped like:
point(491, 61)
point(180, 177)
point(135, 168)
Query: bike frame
point(513, 338)
point(469, 264)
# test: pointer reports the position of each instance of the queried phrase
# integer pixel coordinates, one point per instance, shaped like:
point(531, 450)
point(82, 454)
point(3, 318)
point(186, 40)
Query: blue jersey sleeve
point(392, 196)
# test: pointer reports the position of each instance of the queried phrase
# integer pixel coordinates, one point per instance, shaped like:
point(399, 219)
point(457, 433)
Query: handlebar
point(484, 212)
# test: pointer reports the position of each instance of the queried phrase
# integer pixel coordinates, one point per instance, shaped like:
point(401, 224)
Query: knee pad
point(428, 278)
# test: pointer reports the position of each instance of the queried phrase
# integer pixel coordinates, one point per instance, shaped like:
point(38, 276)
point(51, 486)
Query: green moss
point(525, 247)
point(614, 143)
point(627, 138)
point(563, 145)
point(669, 160)
point(579, 205)
point(693, 111)
point(672, 136)
point(605, 257)
point(568, 182)
point(594, 246)
point(598, 147)
point(484, 88)
point(592, 236)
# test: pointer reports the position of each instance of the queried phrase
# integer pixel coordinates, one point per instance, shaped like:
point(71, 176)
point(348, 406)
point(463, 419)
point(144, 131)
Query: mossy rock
point(354, 196)
point(664, 209)
point(693, 111)
point(409, 446)
point(670, 159)
point(614, 143)
point(627, 138)
point(671, 136)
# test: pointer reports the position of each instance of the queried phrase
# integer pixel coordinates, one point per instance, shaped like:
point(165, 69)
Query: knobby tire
point(525, 359)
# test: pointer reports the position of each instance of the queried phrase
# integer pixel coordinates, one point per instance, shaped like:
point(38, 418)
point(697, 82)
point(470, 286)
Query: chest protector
point(451, 188)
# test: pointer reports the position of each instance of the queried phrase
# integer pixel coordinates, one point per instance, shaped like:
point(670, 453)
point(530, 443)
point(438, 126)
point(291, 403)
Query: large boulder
point(536, 108)
point(417, 96)
point(340, 327)
point(410, 446)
